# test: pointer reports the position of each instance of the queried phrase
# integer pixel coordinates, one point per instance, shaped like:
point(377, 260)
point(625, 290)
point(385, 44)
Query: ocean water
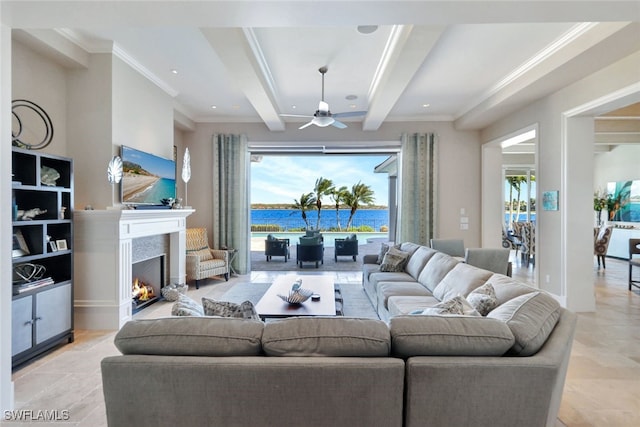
point(292, 218)
point(164, 188)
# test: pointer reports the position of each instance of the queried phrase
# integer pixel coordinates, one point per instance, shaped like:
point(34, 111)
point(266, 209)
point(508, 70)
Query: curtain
point(231, 193)
point(418, 189)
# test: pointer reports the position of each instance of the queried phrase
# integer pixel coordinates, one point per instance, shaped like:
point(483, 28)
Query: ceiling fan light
point(323, 121)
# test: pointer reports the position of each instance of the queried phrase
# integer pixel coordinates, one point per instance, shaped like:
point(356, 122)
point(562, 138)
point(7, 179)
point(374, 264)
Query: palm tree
point(360, 193)
point(323, 187)
point(307, 201)
point(338, 195)
point(515, 183)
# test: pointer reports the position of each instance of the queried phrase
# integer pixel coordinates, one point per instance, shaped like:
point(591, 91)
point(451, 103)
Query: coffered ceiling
point(470, 62)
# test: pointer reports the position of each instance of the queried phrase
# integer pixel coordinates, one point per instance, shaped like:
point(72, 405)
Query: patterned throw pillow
point(185, 306)
point(394, 260)
point(244, 310)
point(384, 248)
point(456, 306)
point(483, 299)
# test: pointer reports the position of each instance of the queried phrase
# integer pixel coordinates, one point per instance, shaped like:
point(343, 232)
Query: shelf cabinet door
point(21, 325)
point(53, 312)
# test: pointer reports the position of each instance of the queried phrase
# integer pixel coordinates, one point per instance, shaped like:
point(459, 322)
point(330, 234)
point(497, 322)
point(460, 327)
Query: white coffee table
point(272, 306)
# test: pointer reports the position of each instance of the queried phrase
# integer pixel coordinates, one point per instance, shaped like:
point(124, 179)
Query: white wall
point(459, 165)
point(43, 82)
point(620, 164)
point(142, 114)
point(556, 151)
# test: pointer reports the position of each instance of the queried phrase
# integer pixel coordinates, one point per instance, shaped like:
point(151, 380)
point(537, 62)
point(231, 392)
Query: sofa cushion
point(191, 336)
point(389, 289)
point(244, 310)
point(483, 299)
point(461, 280)
point(436, 268)
point(409, 247)
point(449, 336)
point(531, 318)
point(384, 248)
point(394, 260)
point(186, 306)
point(418, 260)
point(326, 336)
point(507, 288)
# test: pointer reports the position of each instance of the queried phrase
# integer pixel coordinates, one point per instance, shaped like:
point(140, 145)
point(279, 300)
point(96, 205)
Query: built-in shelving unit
point(42, 207)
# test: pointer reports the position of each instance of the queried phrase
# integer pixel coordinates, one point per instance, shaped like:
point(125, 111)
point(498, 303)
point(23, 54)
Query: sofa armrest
point(370, 259)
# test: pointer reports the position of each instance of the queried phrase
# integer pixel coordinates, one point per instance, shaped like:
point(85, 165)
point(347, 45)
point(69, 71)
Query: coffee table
point(271, 306)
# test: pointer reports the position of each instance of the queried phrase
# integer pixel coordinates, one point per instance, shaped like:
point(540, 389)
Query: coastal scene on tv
point(147, 179)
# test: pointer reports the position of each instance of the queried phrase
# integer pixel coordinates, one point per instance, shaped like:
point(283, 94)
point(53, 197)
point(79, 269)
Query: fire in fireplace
point(142, 295)
point(148, 280)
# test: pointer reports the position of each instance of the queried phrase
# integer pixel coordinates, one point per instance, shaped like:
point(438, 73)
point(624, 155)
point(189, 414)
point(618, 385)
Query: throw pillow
point(185, 306)
point(384, 248)
point(531, 317)
point(394, 260)
point(244, 310)
point(483, 299)
point(454, 306)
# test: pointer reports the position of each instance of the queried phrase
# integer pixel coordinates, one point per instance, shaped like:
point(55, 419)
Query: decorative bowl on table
point(297, 297)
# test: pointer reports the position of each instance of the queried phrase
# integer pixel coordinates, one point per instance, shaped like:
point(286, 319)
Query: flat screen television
point(147, 179)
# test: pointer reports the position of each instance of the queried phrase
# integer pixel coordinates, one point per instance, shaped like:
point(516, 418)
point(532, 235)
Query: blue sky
point(281, 179)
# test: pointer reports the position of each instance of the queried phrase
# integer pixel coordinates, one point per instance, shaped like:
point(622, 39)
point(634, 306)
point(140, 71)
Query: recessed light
point(367, 29)
point(426, 105)
point(351, 97)
point(174, 71)
point(235, 107)
point(214, 107)
point(352, 106)
point(294, 107)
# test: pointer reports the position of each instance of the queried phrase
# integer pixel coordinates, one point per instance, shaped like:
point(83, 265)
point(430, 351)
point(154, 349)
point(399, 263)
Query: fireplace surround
point(105, 241)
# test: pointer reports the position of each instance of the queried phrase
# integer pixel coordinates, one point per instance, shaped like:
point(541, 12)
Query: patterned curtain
point(231, 193)
point(418, 189)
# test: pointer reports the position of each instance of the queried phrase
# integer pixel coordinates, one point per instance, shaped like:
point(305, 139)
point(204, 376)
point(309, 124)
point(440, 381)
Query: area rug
point(355, 302)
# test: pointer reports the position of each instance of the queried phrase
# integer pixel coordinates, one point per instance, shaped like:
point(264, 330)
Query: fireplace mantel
point(103, 258)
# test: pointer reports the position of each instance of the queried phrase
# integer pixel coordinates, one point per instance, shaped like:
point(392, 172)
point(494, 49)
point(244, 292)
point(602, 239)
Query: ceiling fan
point(323, 116)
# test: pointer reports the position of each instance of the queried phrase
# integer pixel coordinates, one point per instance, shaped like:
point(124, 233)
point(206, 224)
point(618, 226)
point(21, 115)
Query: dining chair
point(634, 261)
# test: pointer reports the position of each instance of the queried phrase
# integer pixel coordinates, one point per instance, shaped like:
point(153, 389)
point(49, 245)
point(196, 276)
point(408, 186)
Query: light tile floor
point(602, 387)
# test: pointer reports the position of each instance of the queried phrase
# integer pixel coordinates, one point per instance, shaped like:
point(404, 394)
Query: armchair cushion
point(203, 254)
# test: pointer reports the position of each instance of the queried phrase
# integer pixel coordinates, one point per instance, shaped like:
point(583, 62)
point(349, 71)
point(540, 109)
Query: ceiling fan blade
point(338, 124)
point(296, 115)
point(323, 106)
point(306, 125)
point(350, 114)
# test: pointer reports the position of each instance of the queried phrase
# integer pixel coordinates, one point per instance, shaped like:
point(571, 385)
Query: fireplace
point(148, 281)
point(107, 245)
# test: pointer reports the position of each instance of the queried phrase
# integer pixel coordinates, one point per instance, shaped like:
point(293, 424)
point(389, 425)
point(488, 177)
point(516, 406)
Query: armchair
point(346, 247)
point(276, 247)
point(601, 244)
point(203, 262)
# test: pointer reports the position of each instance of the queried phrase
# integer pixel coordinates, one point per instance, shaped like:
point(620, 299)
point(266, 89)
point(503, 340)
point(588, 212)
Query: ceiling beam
point(242, 57)
point(406, 49)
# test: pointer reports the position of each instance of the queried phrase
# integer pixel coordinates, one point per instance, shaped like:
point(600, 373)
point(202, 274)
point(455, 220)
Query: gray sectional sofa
point(505, 368)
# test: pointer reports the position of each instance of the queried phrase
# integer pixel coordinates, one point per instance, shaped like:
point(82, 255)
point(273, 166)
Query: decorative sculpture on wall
point(22, 107)
point(114, 174)
point(186, 172)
